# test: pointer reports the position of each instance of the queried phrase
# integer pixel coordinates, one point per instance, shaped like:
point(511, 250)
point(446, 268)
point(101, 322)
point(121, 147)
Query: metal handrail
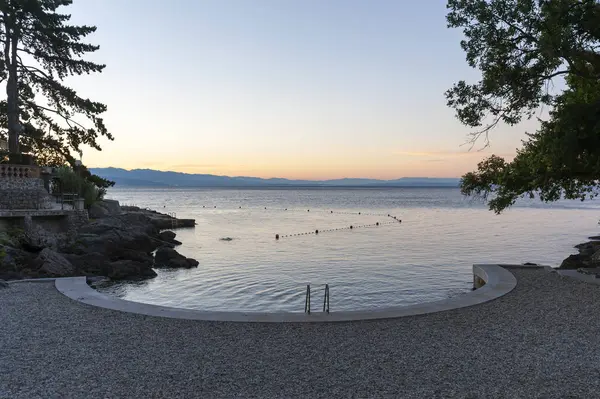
point(307, 300)
point(326, 298)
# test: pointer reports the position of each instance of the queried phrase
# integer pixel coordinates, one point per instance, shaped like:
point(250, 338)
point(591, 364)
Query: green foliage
point(73, 183)
point(520, 46)
point(39, 50)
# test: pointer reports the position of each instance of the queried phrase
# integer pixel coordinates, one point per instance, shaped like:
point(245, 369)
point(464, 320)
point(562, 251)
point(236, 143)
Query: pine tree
point(38, 50)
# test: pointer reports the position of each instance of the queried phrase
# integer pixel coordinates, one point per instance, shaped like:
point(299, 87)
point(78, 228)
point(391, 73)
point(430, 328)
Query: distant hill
point(157, 178)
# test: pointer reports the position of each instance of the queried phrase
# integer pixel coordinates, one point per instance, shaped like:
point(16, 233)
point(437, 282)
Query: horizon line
point(273, 177)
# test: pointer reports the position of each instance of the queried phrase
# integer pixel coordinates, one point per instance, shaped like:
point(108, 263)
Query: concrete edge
point(498, 282)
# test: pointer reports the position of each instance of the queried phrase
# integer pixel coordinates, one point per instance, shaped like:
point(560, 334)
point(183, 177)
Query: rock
point(113, 206)
point(530, 264)
point(55, 264)
point(574, 262)
point(168, 257)
point(595, 258)
point(192, 262)
point(129, 269)
point(169, 237)
point(130, 254)
point(97, 211)
point(594, 238)
point(588, 248)
point(104, 208)
point(226, 239)
point(99, 264)
point(94, 280)
point(37, 238)
point(3, 284)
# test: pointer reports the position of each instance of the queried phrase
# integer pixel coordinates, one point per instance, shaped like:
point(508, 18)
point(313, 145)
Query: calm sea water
point(426, 257)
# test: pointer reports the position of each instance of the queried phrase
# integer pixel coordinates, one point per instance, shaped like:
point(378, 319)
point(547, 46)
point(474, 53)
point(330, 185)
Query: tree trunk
point(12, 88)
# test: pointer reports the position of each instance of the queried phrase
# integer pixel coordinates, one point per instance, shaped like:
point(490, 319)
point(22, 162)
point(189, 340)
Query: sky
point(307, 89)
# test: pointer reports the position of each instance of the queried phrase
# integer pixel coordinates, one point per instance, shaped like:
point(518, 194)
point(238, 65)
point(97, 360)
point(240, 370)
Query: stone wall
point(23, 193)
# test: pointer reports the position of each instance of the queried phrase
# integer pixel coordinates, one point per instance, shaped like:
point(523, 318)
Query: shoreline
point(121, 243)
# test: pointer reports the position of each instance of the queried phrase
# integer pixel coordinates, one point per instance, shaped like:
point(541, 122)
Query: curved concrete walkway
point(498, 282)
point(539, 340)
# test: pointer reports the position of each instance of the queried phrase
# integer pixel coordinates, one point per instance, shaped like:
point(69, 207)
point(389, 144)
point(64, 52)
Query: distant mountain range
point(157, 178)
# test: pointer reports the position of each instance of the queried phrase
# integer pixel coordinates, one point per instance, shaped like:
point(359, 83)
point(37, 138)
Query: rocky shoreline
point(587, 260)
point(121, 243)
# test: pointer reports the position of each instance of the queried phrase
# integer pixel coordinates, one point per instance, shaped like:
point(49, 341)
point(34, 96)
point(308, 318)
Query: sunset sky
point(269, 88)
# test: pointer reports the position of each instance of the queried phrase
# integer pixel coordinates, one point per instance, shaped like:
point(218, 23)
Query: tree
point(39, 50)
point(521, 48)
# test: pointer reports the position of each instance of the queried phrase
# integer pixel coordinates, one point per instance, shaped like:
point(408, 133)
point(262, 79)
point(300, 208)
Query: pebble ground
point(542, 340)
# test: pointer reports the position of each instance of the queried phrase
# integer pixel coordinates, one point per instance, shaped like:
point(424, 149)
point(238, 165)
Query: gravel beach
point(540, 340)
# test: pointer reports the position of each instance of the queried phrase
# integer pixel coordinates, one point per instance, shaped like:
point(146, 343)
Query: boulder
point(104, 208)
point(113, 206)
point(169, 237)
point(97, 211)
point(128, 270)
point(130, 254)
point(99, 264)
point(94, 263)
point(588, 248)
point(574, 262)
point(55, 264)
point(595, 258)
point(167, 257)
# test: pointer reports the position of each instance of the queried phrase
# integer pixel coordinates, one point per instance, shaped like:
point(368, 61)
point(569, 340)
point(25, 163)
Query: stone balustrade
point(8, 171)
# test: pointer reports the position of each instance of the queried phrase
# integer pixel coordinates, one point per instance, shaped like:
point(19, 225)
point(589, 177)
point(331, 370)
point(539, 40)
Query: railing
point(8, 171)
point(325, 300)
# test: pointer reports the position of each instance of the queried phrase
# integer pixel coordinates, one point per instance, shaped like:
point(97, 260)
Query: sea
point(406, 245)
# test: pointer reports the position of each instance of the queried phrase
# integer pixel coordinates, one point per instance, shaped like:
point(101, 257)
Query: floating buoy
point(316, 231)
point(331, 211)
point(277, 236)
point(240, 207)
point(359, 213)
point(265, 207)
point(350, 226)
point(377, 224)
point(308, 210)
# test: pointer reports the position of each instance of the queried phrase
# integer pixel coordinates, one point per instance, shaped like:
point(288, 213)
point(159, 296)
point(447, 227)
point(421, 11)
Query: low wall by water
point(498, 282)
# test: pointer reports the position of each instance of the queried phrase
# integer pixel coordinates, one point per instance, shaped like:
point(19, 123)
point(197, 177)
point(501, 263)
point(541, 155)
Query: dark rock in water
point(168, 257)
point(588, 248)
point(55, 264)
point(129, 269)
point(169, 237)
point(94, 280)
point(594, 238)
point(130, 254)
point(226, 239)
point(127, 266)
point(574, 262)
point(530, 264)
